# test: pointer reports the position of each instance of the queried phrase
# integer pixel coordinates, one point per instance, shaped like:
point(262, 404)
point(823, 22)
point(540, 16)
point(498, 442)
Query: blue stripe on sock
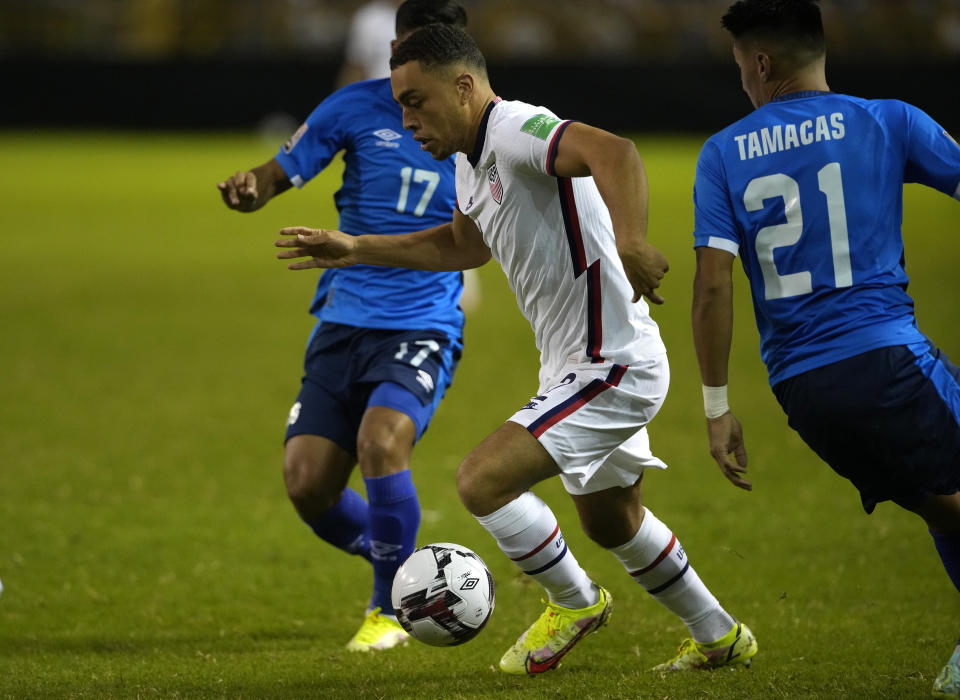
point(664, 586)
point(544, 568)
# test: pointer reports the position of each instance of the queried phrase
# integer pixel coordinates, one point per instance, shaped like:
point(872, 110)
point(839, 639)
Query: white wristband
point(715, 400)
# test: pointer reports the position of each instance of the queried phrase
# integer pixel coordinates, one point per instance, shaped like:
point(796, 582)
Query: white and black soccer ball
point(443, 594)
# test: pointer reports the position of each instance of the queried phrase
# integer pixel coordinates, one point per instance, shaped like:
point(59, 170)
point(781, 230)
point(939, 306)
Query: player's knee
point(477, 490)
point(382, 452)
point(305, 487)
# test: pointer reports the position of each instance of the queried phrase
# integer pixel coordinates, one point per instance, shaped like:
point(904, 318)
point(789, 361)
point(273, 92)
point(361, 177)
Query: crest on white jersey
point(496, 186)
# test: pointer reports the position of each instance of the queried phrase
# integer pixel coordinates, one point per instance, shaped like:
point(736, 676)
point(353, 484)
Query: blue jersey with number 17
point(808, 190)
point(390, 186)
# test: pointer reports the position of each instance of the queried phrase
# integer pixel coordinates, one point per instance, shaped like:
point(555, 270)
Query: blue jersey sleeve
point(318, 140)
point(714, 220)
point(933, 157)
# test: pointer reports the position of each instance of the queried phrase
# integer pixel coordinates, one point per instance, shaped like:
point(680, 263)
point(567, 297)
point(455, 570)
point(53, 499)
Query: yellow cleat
point(554, 633)
point(735, 648)
point(947, 683)
point(378, 632)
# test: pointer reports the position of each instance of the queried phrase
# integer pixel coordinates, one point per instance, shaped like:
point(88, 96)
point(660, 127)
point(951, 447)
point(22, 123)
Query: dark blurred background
point(661, 65)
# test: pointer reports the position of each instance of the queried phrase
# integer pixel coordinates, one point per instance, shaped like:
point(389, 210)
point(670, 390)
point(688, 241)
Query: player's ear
point(764, 66)
point(465, 87)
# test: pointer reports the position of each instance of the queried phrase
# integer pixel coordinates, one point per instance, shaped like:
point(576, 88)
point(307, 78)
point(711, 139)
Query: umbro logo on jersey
point(386, 138)
point(426, 381)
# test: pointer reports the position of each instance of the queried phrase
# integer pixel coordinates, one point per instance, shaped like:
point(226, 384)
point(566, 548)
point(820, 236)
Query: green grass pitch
point(150, 347)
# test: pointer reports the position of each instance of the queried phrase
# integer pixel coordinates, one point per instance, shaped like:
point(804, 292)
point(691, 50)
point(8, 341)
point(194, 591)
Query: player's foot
point(947, 683)
point(554, 633)
point(378, 632)
point(735, 648)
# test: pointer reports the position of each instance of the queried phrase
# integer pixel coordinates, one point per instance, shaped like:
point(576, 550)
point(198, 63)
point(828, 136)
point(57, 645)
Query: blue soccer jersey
point(390, 186)
point(808, 190)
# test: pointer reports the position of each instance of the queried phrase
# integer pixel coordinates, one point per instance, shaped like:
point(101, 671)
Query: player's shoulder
point(511, 120)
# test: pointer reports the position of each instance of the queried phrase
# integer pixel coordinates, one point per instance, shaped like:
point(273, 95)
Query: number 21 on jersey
point(769, 238)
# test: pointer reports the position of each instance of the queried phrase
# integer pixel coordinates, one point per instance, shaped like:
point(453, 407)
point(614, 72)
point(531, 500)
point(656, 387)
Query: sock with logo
point(345, 525)
point(656, 560)
point(394, 519)
point(527, 531)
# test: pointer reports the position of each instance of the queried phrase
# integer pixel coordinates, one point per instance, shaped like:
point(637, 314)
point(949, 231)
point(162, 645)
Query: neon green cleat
point(735, 648)
point(554, 633)
point(378, 632)
point(947, 684)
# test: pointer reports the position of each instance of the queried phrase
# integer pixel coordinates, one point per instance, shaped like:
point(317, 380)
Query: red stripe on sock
point(542, 545)
point(663, 555)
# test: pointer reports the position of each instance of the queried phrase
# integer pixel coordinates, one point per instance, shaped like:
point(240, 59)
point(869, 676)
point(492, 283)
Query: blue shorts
point(888, 420)
point(348, 369)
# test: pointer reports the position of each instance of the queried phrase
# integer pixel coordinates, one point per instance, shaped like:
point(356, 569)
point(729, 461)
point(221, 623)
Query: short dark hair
point(794, 24)
point(414, 14)
point(437, 46)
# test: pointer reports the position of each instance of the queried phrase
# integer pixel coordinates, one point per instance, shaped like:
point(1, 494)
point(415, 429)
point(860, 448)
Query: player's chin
point(437, 150)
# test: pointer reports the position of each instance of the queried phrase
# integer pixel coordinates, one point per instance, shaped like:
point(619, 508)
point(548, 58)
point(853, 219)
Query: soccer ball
point(443, 594)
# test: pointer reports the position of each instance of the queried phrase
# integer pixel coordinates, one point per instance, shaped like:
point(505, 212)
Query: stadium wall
point(234, 94)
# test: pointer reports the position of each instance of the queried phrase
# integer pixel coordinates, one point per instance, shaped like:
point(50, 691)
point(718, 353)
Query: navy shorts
point(348, 369)
point(888, 420)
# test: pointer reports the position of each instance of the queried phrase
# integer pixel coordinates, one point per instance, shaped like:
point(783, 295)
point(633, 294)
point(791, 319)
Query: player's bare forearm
point(437, 249)
point(712, 314)
point(249, 190)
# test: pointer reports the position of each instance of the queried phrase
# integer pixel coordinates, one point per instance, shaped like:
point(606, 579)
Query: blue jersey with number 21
point(390, 186)
point(808, 190)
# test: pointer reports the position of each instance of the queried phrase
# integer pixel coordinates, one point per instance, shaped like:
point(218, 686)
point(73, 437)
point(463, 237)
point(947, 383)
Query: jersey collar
point(799, 95)
point(474, 156)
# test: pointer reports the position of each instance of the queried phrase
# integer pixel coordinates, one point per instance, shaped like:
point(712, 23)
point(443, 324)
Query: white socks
point(527, 531)
point(656, 560)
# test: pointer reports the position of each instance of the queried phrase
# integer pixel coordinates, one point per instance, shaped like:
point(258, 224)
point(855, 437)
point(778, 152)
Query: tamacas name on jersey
point(783, 137)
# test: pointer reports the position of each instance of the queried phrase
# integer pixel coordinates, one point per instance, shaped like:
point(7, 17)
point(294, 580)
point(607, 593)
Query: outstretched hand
point(325, 248)
point(726, 439)
point(645, 267)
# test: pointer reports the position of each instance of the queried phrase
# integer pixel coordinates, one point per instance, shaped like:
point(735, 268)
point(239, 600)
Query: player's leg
point(942, 515)
point(406, 375)
point(315, 471)
point(494, 482)
point(616, 519)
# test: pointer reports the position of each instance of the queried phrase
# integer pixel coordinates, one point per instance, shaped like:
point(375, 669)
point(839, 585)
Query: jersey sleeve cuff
point(726, 244)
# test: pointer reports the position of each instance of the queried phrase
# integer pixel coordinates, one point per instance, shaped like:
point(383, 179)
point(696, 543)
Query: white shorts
point(592, 420)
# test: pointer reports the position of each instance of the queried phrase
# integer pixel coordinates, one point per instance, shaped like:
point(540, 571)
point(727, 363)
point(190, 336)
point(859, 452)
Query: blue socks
point(345, 525)
point(394, 518)
point(948, 546)
point(384, 533)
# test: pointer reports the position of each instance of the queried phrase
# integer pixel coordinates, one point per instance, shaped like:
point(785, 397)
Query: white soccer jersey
point(554, 239)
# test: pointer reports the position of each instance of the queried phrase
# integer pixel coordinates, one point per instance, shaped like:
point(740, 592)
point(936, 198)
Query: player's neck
point(803, 81)
point(478, 110)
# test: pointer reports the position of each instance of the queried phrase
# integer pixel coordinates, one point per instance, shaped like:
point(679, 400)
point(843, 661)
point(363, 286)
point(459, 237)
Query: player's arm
point(712, 317)
point(457, 245)
point(249, 190)
point(618, 171)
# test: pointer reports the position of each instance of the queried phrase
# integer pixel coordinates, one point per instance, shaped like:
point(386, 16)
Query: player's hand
point(645, 267)
point(727, 448)
point(240, 191)
point(325, 248)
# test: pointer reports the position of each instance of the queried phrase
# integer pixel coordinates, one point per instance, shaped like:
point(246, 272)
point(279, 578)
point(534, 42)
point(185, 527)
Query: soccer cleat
point(554, 633)
point(735, 648)
point(378, 632)
point(947, 683)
